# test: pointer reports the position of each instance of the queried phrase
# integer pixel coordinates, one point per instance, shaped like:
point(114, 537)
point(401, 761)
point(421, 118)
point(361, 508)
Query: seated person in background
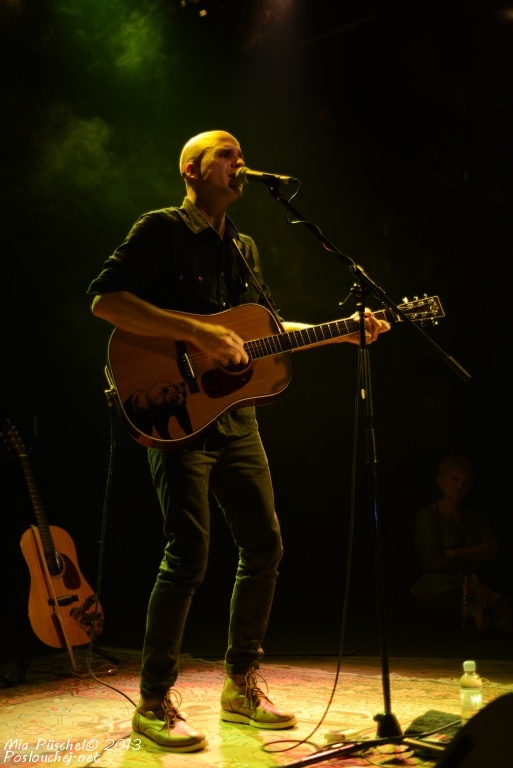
point(459, 553)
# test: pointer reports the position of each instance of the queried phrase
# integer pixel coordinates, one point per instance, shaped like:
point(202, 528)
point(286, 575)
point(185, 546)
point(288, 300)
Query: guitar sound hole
point(235, 369)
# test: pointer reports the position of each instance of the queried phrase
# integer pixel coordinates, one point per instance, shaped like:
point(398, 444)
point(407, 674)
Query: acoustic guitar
point(63, 610)
point(167, 393)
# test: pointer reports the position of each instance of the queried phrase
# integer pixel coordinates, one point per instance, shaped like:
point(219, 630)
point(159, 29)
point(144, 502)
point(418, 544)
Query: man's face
point(218, 164)
point(213, 164)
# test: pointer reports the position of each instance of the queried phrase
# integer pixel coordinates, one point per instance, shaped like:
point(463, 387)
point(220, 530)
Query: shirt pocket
point(195, 291)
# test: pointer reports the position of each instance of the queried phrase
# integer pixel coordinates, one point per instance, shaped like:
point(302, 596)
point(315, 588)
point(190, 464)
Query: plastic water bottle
point(471, 691)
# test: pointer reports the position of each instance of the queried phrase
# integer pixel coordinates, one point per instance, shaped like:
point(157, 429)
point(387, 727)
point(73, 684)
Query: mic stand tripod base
point(347, 749)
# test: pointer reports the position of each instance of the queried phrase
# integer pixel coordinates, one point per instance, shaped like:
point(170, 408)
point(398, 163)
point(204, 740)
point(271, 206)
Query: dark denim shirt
point(174, 259)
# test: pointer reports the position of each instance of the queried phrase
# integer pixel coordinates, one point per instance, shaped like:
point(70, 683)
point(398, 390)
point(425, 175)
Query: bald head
point(195, 147)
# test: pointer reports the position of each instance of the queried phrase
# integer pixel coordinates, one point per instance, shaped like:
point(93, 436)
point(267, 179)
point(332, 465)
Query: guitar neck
point(306, 337)
point(51, 554)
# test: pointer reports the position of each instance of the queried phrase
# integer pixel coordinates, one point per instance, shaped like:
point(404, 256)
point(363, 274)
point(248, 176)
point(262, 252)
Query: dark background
point(399, 125)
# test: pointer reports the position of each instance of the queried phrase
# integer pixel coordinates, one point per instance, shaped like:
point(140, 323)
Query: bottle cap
point(469, 666)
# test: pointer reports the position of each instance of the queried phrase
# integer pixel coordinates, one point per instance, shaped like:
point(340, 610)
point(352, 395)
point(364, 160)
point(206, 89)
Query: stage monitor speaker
point(485, 741)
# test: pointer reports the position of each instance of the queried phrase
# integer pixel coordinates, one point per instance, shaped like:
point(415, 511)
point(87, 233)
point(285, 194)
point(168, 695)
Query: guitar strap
point(267, 302)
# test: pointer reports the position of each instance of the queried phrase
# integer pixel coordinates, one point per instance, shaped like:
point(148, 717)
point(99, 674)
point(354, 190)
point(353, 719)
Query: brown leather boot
point(158, 725)
point(242, 701)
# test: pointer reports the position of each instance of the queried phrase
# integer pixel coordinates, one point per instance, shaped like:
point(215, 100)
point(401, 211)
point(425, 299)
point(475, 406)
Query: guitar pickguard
point(221, 382)
point(70, 576)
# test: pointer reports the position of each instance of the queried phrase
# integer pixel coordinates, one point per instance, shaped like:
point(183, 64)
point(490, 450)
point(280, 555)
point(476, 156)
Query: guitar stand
point(388, 728)
point(28, 655)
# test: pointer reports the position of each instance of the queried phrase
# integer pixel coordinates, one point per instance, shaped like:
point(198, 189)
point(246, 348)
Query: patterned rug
point(58, 718)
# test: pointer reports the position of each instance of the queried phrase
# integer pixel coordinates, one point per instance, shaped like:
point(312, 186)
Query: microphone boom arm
point(364, 280)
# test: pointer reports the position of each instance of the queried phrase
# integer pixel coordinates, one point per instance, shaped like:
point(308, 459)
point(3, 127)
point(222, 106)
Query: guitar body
point(61, 606)
point(167, 393)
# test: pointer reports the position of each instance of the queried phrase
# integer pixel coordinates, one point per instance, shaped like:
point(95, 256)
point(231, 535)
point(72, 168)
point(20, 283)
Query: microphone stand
point(388, 730)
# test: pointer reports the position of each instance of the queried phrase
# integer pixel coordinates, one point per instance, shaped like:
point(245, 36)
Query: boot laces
point(253, 692)
point(170, 706)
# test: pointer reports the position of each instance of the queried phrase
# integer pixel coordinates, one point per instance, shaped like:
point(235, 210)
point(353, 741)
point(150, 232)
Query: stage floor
point(59, 717)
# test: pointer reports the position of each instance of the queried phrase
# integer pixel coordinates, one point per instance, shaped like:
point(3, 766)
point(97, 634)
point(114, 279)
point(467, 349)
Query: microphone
point(245, 175)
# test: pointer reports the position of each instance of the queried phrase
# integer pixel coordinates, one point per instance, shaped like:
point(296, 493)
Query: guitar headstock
point(12, 439)
point(422, 310)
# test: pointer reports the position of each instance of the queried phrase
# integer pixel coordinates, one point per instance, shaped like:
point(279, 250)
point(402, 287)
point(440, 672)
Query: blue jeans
point(235, 469)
